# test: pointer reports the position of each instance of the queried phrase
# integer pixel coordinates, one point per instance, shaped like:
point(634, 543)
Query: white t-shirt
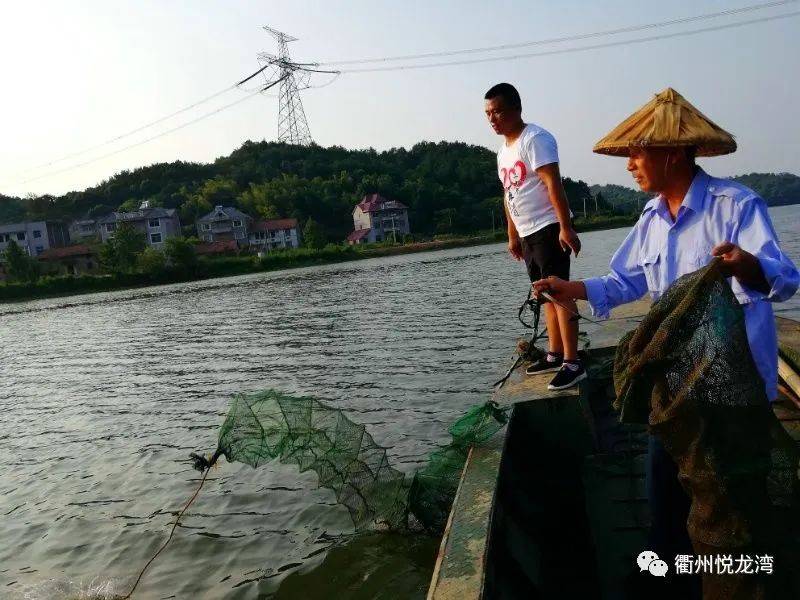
point(526, 195)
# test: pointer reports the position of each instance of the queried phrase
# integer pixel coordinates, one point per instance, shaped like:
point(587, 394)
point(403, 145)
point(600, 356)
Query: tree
point(313, 235)
point(151, 261)
point(180, 254)
point(19, 265)
point(119, 254)
point(130, 205)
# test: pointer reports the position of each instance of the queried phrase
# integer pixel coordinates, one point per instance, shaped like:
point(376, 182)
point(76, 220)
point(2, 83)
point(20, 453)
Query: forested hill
point(448, 187)
point(776, 189)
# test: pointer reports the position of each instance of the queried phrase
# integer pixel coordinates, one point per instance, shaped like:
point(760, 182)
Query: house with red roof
point(71, 260)
point(274, 233)
point(376, 218)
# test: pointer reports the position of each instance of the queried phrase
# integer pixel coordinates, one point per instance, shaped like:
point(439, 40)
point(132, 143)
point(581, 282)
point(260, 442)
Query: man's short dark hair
point(507, 92)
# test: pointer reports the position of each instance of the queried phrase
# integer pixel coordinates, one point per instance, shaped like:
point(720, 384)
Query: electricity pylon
point(292, 124)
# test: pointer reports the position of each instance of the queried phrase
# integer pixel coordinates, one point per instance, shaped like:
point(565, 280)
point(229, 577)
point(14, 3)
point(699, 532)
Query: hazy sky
point(78, 73)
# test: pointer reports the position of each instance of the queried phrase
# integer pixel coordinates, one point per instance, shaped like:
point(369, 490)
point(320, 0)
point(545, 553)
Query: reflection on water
point(104, 396)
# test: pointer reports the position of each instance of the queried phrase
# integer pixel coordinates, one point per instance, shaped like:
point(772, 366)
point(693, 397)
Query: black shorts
point(543, 254)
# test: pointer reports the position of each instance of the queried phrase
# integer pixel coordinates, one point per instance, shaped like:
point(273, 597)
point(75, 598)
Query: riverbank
point(209, 268)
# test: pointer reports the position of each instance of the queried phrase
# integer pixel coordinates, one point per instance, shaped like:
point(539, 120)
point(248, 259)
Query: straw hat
point(667, 121)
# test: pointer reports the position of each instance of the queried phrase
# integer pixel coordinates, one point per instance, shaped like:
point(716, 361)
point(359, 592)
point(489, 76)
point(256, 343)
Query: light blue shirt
point(658, 250)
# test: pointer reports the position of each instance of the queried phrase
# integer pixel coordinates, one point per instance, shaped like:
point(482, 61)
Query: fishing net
point(303, 431)
point(687, 372)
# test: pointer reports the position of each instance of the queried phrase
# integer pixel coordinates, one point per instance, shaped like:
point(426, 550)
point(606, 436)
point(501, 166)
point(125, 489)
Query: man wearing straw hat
point(694, 218)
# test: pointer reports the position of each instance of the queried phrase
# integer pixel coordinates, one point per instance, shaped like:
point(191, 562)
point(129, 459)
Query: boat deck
point(571, 442)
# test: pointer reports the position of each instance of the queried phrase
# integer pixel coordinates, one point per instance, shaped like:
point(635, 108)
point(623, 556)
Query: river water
point(103, 396)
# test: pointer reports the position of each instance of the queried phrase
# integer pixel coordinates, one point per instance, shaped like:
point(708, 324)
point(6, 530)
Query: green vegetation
point(451, 190)
point(179, 263)
point(19, 266)
point(448, 187)
point(120, 254)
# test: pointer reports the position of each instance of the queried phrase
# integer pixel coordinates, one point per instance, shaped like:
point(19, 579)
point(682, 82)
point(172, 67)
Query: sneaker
point(543, 365)
point(568, 375)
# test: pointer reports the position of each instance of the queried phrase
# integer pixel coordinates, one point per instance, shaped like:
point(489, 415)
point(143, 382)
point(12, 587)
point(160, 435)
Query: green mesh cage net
point(303, 431)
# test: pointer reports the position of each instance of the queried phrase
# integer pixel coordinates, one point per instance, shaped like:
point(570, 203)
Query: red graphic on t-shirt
point(514, 176)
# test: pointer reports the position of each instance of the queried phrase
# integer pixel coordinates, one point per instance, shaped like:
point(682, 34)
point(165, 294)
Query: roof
point(224, 213)
point(274, 224)
point(667, 121)
point(216, 247)
point(373, 202)
point(66, 252)
point(357, 235)
point(140, 215)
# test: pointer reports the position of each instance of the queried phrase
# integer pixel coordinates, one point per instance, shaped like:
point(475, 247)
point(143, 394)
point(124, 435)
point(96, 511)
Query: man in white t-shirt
point(539, 223)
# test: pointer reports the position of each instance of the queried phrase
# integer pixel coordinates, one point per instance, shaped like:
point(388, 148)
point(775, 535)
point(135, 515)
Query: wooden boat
point(554, 506)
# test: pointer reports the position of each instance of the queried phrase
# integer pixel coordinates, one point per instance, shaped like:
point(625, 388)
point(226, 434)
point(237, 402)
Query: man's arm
point(626, 281)
point(514, 244)
point(551, 177)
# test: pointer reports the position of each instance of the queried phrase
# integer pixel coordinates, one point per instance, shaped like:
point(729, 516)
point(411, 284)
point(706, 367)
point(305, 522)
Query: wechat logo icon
point(649, 561)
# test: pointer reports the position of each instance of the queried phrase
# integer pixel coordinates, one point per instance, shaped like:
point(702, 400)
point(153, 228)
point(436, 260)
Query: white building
point(157, 224)
point(34, 237)
point(376, 219)
point(276, 233)
point(223, 224)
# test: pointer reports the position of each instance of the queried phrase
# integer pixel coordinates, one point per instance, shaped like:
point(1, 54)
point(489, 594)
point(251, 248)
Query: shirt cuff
point(774, 272)
point(597, 297)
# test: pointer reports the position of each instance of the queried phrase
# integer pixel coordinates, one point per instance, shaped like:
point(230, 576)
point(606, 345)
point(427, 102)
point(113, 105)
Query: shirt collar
point(694, 199)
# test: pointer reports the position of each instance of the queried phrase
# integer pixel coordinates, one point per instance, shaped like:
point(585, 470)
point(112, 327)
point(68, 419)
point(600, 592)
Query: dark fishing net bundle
point(688, 373)
point(303, 431)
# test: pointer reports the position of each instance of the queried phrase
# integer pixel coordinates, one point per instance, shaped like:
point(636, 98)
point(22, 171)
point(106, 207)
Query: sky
point(78, 74)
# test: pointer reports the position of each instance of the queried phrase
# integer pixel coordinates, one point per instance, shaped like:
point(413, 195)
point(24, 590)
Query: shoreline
point(59, 287)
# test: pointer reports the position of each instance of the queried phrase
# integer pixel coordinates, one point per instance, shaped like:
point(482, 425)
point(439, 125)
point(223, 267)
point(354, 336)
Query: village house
point(70, 260)
point(376, 219)
point(34, 237)
point(81, 229)
point(223, 224)
point(158, 224)
point(274, 233)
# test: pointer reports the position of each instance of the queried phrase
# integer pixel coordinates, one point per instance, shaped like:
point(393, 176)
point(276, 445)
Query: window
point(110, 227)
point(21, 236)
point(39, 249)
point(206, 226)
point(237, 223)
point(84, 229)
point(37, 233)
point(155, 238)
point(154, 223)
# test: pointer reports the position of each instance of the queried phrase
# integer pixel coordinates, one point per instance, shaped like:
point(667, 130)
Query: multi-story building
point(276, 233)
point(223, 224)
point(376, 219)
point(158, 224)
point(34, 237)
point(81, 229)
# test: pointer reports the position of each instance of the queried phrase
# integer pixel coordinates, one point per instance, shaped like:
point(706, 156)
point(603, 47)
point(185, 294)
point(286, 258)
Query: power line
point(150, 139)
point(140, 128)
point(572, 50)
point(572, 38)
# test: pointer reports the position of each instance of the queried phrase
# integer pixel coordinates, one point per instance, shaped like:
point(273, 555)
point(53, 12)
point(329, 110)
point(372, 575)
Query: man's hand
point(559, 289)
point(569, 240)
point(515, 248)
point(742, 265)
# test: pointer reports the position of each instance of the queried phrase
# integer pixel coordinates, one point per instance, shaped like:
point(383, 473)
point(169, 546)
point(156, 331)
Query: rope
point(208, 465)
